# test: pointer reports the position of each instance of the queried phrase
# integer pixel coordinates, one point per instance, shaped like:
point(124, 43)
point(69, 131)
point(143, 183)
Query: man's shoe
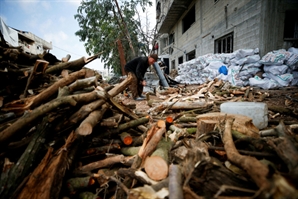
point(142, 96)
point(139, 98)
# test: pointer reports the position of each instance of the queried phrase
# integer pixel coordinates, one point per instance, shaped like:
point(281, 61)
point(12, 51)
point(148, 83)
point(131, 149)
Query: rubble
point(66, 133)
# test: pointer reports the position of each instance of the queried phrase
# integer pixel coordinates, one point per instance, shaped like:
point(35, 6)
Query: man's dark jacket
point(138, 66)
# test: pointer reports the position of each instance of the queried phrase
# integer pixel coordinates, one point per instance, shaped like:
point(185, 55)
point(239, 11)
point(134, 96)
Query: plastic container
point(258, 111)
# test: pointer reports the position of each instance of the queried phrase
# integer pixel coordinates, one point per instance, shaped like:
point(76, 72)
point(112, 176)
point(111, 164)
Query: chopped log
point(27, 161)
point(103, 163)
point(150, 144)
point(126, 138)
point(169, 121)
point(66, 58)
point(282, 110)
point(86, 127)
point(242, 124)
point(127, 125)
point(187, 119)
point(156, 168)
point(28, 119)
point(21, 105)
point(46, 180)
point(83, 83)
point(257, 171)
point(182, 106)
point(38, 64)
point(175, 182)
point(72, 65)
point(86, 109)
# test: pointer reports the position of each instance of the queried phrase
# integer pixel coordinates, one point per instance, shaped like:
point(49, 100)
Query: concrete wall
point(254, 23)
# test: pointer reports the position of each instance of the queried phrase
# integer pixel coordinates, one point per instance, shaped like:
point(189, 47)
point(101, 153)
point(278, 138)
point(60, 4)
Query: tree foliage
point(101, 26)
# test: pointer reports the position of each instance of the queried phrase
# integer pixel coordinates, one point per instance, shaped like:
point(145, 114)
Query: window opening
point(191, 55)
point(189, 19)
point(224, 44)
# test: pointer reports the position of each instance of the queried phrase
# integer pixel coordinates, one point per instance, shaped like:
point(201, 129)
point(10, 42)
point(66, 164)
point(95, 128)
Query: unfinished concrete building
point(191, 28)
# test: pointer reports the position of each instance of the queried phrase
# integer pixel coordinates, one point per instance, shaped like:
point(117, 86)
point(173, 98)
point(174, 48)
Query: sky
point(51, 20)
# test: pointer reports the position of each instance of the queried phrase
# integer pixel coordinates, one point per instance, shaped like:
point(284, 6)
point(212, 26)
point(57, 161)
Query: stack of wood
point(65, 133)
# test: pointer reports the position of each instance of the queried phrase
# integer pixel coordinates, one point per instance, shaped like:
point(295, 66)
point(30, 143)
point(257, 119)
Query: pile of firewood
point(66, 133)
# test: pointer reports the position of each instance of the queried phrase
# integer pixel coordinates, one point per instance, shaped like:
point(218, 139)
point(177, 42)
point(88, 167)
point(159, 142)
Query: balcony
point(176, 9)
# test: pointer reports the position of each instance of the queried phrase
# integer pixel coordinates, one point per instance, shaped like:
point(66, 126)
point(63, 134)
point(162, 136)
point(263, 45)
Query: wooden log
point(126, 138)
point(30, 117)
point(286, 150)
point(150, 144)
point(66, 58)
point(257, 171)
point(127, 125)
point(72, 65)
point(182, 106)
point(20, 106)
point(156, 168)
point(75, 184)
point(83, 83)
point(46, 180)
point(38, 64)
point(175, 182)
point(86, 127)
point(86, 109)
point(30, 158)
point(241, 124)
point(282, 110)
point(136, 174)
point(104, 163)
point(124, 109)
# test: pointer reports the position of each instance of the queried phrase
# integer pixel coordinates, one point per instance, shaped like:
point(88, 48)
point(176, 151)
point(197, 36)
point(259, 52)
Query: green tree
point(102, 24)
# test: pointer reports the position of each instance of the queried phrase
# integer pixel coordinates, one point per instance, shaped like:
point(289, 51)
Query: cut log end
point(156, 168)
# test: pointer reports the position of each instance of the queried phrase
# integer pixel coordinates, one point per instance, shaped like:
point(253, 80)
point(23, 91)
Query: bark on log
point(257, 171)
point(28, 119)
point(151, 142)
point(86, 127)
point(182, 106)
point(127, 125)
point(88, 108)
point(46, 180)
point(126, 138)
point(175, 182)
point(27, 161)
point(39, 63)
point(72, 65)
point(241, 124)
point(104, 163)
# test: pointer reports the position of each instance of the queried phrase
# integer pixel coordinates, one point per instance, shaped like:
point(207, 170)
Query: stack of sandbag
point(280, 69)
point(240, 68)
point(236, 67)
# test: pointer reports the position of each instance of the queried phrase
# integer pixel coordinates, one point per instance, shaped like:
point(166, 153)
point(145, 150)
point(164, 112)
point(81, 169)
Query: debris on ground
point(66, 133)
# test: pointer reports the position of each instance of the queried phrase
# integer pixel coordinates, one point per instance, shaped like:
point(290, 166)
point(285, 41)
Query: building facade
point(191, 28)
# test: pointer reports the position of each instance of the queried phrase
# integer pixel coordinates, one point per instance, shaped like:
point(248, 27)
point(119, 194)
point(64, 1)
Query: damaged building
point(27, 41)
point(191, 28)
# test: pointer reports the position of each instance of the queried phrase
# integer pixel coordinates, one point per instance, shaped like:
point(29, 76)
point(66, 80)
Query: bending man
point(138, 67)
